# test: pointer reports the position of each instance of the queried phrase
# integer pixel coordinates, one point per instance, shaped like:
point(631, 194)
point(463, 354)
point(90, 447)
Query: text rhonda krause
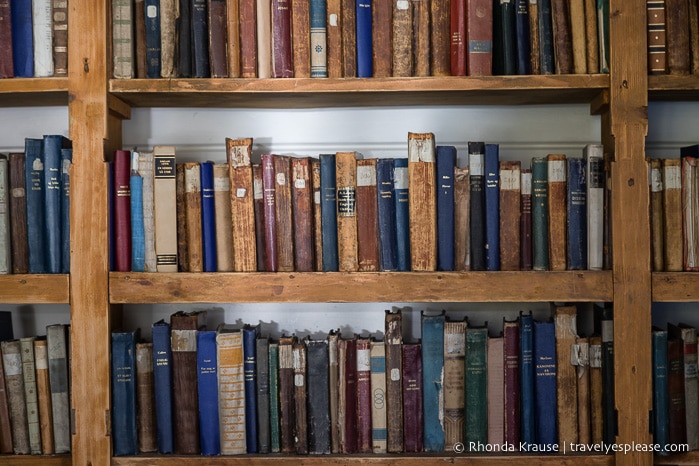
point(606, 448)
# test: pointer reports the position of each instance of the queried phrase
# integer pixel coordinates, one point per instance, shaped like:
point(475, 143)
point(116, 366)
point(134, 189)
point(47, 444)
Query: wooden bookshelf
point(28, 92)
point(691, 458)
point(673, 87)
point(37, 289)
point(33, 460)
point(675, 287)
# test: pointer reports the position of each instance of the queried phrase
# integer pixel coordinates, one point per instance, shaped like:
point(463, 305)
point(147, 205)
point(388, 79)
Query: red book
point(269, 212)
point(347, 355)
point(217, 38)
point(479, 36)
point(457, 45)
point(510, 331)
point(412, 397)
point(302, 208)
point(284, 219)
point(122, 211)
point(248, 38)
point(282, 61)
point(6, 65)
point(259, 198)
point(364, 398)
point(526, 219)
point(367, 216)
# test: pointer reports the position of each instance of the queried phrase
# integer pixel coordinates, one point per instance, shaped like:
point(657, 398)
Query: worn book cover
point(364, 395)
point(378, 390)
point(462, 218)
point(58, 343)
point(18, 213)
point(540, 214)
point(299, 356)
point(282, 46)
point(270, 213)
point(677, 37)
point(422, 202)
point(164, 206)
point(231, 389)
point(566, 386)
point(672, 209)
point(580, 359)
point(302, 214)
point(193, 211)
point(402, 38)
point(446, 208)
point(382, 40)
point(5, 425)
point(557, 219)
point(347, 235)
point(283, 213)
point(145, 398)
point(217, 38)
point(413, 411)
point(394, 385)
point(317, 216)
point(318, 378)
point(432, 332)
point(247, 37)
point(223, 218)
point(207, 393)
point(510, 214)
point(496, 390)
point(122, 211)
point(421, 37)
point(287, 404)
point(30, 393)
point(657, 235)
point(367, 216)
point(124, 427)
point(301, 38)
point(454, 360)
point(511, 380)
point(238, 152)
point(262, 377)
point(181, 233)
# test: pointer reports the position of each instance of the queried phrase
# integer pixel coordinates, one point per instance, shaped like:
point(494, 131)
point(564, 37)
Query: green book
point(476, 387)
point(540, 214)
point(274, 433)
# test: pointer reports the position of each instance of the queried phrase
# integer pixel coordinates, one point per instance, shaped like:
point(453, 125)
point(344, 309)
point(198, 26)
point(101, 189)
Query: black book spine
point(476, 151)
point(263, 426)
point(184, 39)
point(318, 396)
point(200, 39)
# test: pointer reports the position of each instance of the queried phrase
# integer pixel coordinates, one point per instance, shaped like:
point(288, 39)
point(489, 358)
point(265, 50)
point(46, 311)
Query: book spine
point(42, 28)
point(328, 212)
point(263, 395)
point(283, 213)
point(378, 390)
point(510, 215)
point(168, 68)
point(433, 381)
point(140, 38)
point(58, 341)
point(526, 341)
point(364, 39)
point(233, 38)
point(557, 181)
point(446, 161)
point(184, 387)
point(317, 216)
point(382, 44)
point(346, 177)
point(59, 23)
point(672, 208)
point(334, 390)
point(421, 37)
point(677, 421)
point(268, 187)
point(440, 38)
point(207, 391)
point(334, 22)
point(591, 39)
point(691, 388)
point(496, 390)
point(122, 210)
point(458, 41)
point(22, 39)
point(576, 12)
point(183, 33)
point(14, 383)
point(153, 45)
point(122, 39)
point(492, 207)
point(348, 26)
point(603, 34)
point(576, 215)
point(6, 64)
point(476, 386)
point(367, 216)
point(462, 226)
point(545, 383)
point(34, 183)
point(534, 36)
point(522, 34)
point(412, 398)
point(66, 162)
point(244, 235)
point(217, 38)
point(655, 16)
point(231, 392)
point(124, 393)
point(318, 396)
point(454, 364)
point(479, 36)
point(349, 432)
point(596, 418)
point(193, 215)
point(580, 359)
point(18, 213)
point(512, 382)
point(609, 407)
point(282, 60)
point(364, 395)
point(138, 239)
point(504, 17)
point(247, 36)
point(545, 26)
point(386, 210)
point(264, 36)
point(300, 397)
point(319, 38)
point(5, 241)
point(43, 390)
point(274, 408)
point(690, 236)
point(400, 184)
point(51, 147)
point(250, 335)
point(562, 40)
point(30, 393)
point(678, 48)
point(660, 387)
point(223, 220)
point(657, 235)
point(208, 217)
point(526, 220)
point(5, 423)
point(301, 38)
point(145, 398)
point(402, 38)
point(287, 419)
point(302, 214)
point(422, 203)
point(259, 204)
point(476, 154)
point(162, 383)
point(394, 385)
point(594, 170)
point(540, 214)
point(181, 233)
point(566, 386)
point(164, 206)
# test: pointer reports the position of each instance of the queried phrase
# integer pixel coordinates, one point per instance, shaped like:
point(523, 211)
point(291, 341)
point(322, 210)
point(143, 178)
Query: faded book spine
point(394, 386)
point(346, 177)
point(283, 213)
point(164, 208)
point(303, 215)
point(378, 389)
point(238, 153)
point(422, 202)
point(231, 391)
point(367, 216)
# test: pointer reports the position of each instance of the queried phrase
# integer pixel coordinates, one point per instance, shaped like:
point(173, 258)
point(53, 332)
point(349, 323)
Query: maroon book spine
point(18, 214)
point(269, 213)
point(364, 400)
point(457, 44)
point(259, 200)
point(248, 38)
point(6, 65)
point(122, 211)
point(526, 219)
point(282, 61)
point(351, 417)
point(302, 208)
point(217, 38)
point(412, 397)
point(510, 330)
point(479, 38)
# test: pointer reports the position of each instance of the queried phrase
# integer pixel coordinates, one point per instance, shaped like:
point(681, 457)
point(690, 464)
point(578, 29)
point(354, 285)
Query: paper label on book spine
point(183, 340)
point(607, 331)
point(395, 374)
point(579, 354)
point(300, 183)
point(346, 201)
point(18, 192)
point(690, 370)
point(164, 167)
point(475, 164)
point(281, 179)
point(151, 11)
point(41, 357)
point(13, 364)
point(673, 177)
point(403, 4)
point(510, 180)
point(363, 360)
point(366, 175)
point(316, 197)
point(298, 380)
point(526, 184)
point(400, 177)
point(222, 184)
point(455, 343)
point(556, 171)
point(656, 180)
point(595, 356)
point(421, 149)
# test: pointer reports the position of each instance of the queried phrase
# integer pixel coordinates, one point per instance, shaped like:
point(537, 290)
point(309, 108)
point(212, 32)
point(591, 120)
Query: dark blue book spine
point(508, 37)
point(200, 39)
point(400, 184)
point(153, 59)
point(432, 382)
point(522, 33)
point(661, 425)
point(576, 214)
point(124, 393)
point(545, 383)
point(328, 212)
point(138, 234)
point(208, 217)
point(319, 30)
point(162, 381)
point(540, 214)
point(388, 259)
point(184, 39)
point(476, 154)
point(546, 38)
point(250, 335)
point(609, 426)
point(526, 338)
point(207, 390)
point(446, 161)
point(492, 207)
point(66, 161)
point(36, 216)
point(52, 145)
point(22, 38)
point(364, 43)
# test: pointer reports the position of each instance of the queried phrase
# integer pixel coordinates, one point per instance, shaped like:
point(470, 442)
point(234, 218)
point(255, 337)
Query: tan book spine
point(595, 362)
point(233, 38)
point(301, 37)
point(534, 36)
point(349, 38)
point(145, 395)
point(264, 39)
point(168, 15)
point(222, 209)
point(317, 225)
point(591, 36)
point(346, 177)
point(30, 395)
point(182, 244)
point(694, 37)
point(454, 360)
point(192, 199)
point(367, 216)
point(284, 213)
point(303, 215)
point(672, 214)
point(402, 38)
point(422, 203)
point(333, 384)
point(5, 424)
point(462, 225)
point(342, 393)
point(14, 384)
point(581, 360)
point(43, 391)
point(287, 405)
point(394, 383)
point(566, 385)
point(578, 34)
point(557, 211)
point(300, 397)
point(562, 40)
point(496, 391)
point(510, 214)
point(238, 153)
point(231, 390)
point(440, 37)
point(165, 208)
point(378, 390)
point(334, 24)
point(690, 213)
point(655, 178)
point(382, 43)
point(421, 37)
point(677, 36)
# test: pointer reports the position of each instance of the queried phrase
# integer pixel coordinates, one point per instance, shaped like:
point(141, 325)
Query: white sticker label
point(333, 19)
point(152, 11)
point(300, 183)
point(363, 360)
point(395, 375)
point(402, 4)
point(240, 192)
point(557, 171)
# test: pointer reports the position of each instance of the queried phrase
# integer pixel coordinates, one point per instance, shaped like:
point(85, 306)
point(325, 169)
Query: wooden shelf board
point(134, 288)
point(24, 92)
point(673, 88)
point(326, 92)
point(32, 460)
point(678, 459)
point(35, 289)
point(675, 286)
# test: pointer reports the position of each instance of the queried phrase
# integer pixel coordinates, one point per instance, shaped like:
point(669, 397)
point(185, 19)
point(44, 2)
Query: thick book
point(562, 40)
point(334, 22)
point(365, 54)
point(152, 38)
point(401, 38)
point(526, 259)
point(138, 233)
point(609, 426)
point(145, 398)
point(677, 37)
point(534, 36)
point(193, 216)
point(181, 232)
point(217, 11)
point(446, 163)
point(657, 235)
point(270, 212)
point(123, 39)
point(207, 393)
point(672, 209)
point(504, 38)
point(18, 213)
point(334, 389)
point(208, 217)
point(595, 182)
point(496, 390)
point(557, 181)
point(457, 34)
point(595, 362)
point(164, 208)
point(522, 35)
point(287, 406)
point(394, 386)
point(168, 62)
point(328, 212)
point(283, 213)
point(511, 381)
point(347, 391)
point(250, 335)
point(688, 335)
point(231, 389)
point(282, 53)
point(348, 27)
point(364, 395)
point(491, 166)
point(433, 374)
point(657, 40)
point(462, 218)
point(262, 373)
point(301, 37)
point(479, 37)
point(591, 36)
point(476, 387)
point(162, 384)
point(14, 384)
point(400, 185)
point(386, 211)
point(382, 43)
point(540, 214)
point(378, 390)
point(233, 38)
point(222, 209)
point(677, 401)
point(413, 411)
point(421, 37)
point(318, 38)
point(52, 146)
point(6, 63)
point(124, 433)
point(274, 408)
point(238, 153)
point(566, 386)
point(122, 210)
point(5, 425)
point(422, 203)
point(576, 11)
point(259, 211)
point(510, 214)
point(346, 178)
point(476, 154)
point(22, 38)
point(36, 215)
point(317, 378)
point(367, 216)
point(317, 216)
point(547, 64)
point(454, 365)
point(661, 435)
point(300, 397)
point(183, 34)
point(42, 29)
point(440, 38)
point(263, 20)
point(576, 215)
point(247, 36)
point(690, 207)
point(5, 242)
point(58, 343)
point(30, 393)
point(302, 214)
point(43, 391)
point(545, 375)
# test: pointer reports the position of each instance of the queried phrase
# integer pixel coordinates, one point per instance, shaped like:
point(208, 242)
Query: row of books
point(357, 38)
point(673, 37)
point(33, 38)
point(341, 212)
point(35, 393)
point(35, 207)
point(234, 390)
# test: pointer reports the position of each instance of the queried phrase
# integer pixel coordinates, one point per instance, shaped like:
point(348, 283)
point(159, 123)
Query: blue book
point(446, 161)
point(546, 60)
point(319, 36)
point(526, 367)
point(661, 407)
point(386, 208)
point(208, 217)
point(476, 154)
point(540, 214)
point(504, 38)
point(522, 34)
point(22, 38)
point(162, 382)
point(432, 383)
point(66, 161)
point(576, 214)
point(545, 383)
point(36, 215)
point(207, 390)
point(124, 433)
point(138, 234)
point(492, 207)
point(51, 148)
point(364, 44)
point(250, 335)
point(200, 39)
point(328, 212)
point(400, 184)
point(152, 19)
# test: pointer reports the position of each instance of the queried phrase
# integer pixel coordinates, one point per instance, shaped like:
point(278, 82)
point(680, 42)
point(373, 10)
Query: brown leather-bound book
point(183, 338)
point(14, 384)
point(479, 36)
point(421, 37)
point(18, 214)
point(334, 23)
point(412, 397)
point(60, 37)
point(562, 40)
point(333, 384)
point(5, 425)
point(238, 153)
point(347, 406)
point(457, 42)
point(566, 385)
point(496, 391)
point(534, 36)
point(367, 216)
point(284, 214)
point(510, 214)
point(677, 416)
point(222, 209)
point(43, 392)
point(577, 35)
point(440, 39)
point(259, 199)
point(270, 212)
point(264, 38)
point(300, 397)
point(317, 225)
point(591, 36)
point(595, 363)
point(511, 374)
point(301, 38)
point(422, 201)
point(381, 37)
point(557, 211)
point(581, 358)
point(690, 211)
point(657, 36)
point(248, 36)
point(656, 214)
point(233, 37)
point(182, 244)
point(349, 38)
point(462, 195)
point(6, 63)
point(693, 37)
point(192, 200)
point(302, 213)
point(677, 36)
point(139, 16)
point(287, 404)
point(346, 177)
point(282, 56)
point(364, 395)
point(145, 396)
point(672, 214)
point(402, 34)
point(218, 62)
point(394, 385)
point(526, 220)
point(454, 360)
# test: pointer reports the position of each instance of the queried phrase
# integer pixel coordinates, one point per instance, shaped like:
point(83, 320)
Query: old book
point(562, 38)
point(462, 246)
point(317, 370)
point(152, 32)
point(328, 211)
point(164, 206)
point(231, 390)
point(217, 38)
point(334, 21)
point(510, 214)
point(182, 244)
point(319, 39)
point(140, 39)
point(5, 424)
point(382, 40)
point(18, 213)
point(432, 333)
point(138, 234)
point(545, 376)
point(348, 414)
point(346, 178)
point(402, 38)
point(238, 152)
point(566, 386)
point(454, 360)
point(677, 401)
point(540, 214)
point(270, 212)
point(576, 11)
point(145, 171)
point(30, 393)
point(412, 398)
point(655, 18)
point(557, 180)
point(677, 37)
point(145, 398)
point(400, 187)
point(446, 226)
point(526, 219)
point(52, 146)
point(193, 216)
point(363, 14)
point(183, 35)
point(378, 390)
point(43, 391)
point(299, 356)
point(6, 63)
point(476, 154)
point(394, 386)
point(439, 38)
point(595, 173)
point(259, 202)
point(693, 36)
point(59, 42)
point(421, 37)
point(476, 386)
point(14, 384)
point(422, 201)
point(367, 216)
point(162, 385)
point(672, 209)
point(58, 344)
point(348, 25)
point(333, 391)
point(208, 217)
point(262, 390)
point(5, 241)
point(595, 364)
point(504, 38)
point(576, 215)
point(496, 390)
point(282, 46)
point(247, 38)
point(124, 430)
point(606, 328)
point(523, 37)
point(690, 207)
point(364, 395)
point(302, 214)
point(527, 374)
point(479, 37)
point(250, 336)
point(547, 58)
point(491, 167)
point(386, 210)
point(511, 381)
point(317, 216)
point(457, 42)
point(223, 219)
point(122, 211)
point(263, 20)
point(66, 162)
point(301, 38)
point(168, 15)
point(591, 36)
point(656, 214)
point(688, 336)
point(534, 36)
point(581, 360)
point(659, 361)
point(122, 39)
point(274, 408)
point(283, 213)
point(207, 393)
point(287, 416)
point(233, 38)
